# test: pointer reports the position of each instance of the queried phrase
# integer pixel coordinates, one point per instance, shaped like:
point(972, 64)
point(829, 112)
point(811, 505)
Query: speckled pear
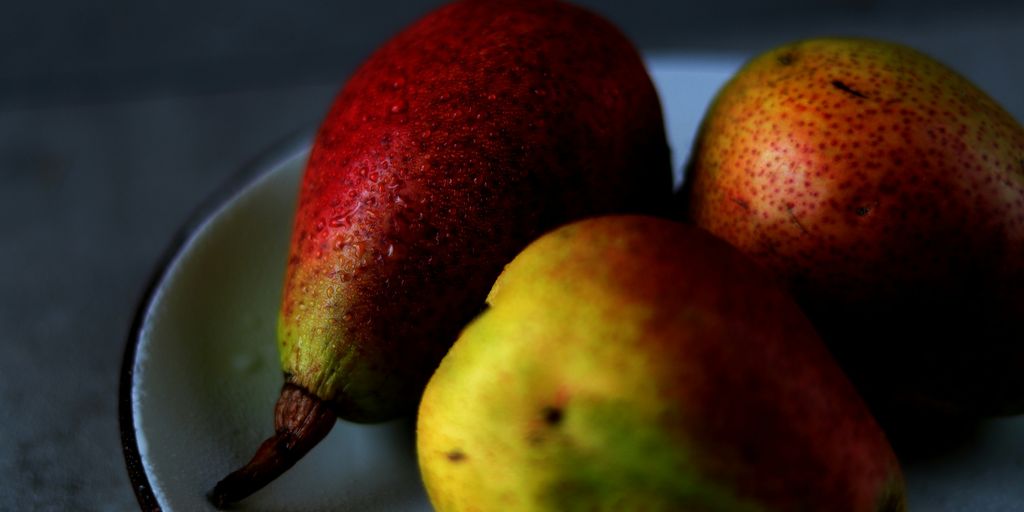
point(634, 363)
point(887, 191)
point(460, 140)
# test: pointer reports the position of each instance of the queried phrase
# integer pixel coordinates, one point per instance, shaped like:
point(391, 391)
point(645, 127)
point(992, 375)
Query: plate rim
point(263, 164)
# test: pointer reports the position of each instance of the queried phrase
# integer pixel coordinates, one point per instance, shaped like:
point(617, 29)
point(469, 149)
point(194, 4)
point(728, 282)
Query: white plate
point(201, 376)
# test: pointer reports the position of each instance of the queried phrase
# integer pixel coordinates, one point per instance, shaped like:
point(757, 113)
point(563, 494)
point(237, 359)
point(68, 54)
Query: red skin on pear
point(888, 193)
point(458, 142)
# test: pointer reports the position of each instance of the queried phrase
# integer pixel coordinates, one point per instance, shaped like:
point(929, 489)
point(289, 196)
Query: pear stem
point(301, 420)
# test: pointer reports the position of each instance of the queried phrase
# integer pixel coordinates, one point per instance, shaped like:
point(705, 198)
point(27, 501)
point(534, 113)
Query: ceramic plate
point(201, 376)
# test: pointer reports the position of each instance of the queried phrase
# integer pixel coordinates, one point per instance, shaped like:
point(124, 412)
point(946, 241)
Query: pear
point(636, 363)
point(459, 141)
point(887, 192)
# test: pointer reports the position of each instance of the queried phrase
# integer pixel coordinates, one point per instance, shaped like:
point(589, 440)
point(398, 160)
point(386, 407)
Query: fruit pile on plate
point(487, 233)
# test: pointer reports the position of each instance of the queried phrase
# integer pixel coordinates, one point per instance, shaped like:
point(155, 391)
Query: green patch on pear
point(574, 466)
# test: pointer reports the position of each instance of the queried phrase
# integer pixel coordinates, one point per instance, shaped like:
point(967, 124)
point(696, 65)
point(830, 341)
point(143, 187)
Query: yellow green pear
point(634, 363)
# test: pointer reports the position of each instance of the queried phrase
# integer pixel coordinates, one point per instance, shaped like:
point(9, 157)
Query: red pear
point(459, 141)
point(888, 192)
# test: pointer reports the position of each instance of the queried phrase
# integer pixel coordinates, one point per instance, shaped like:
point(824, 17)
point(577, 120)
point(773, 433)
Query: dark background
point(116, 121)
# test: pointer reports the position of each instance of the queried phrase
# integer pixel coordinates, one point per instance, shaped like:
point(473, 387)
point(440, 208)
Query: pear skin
point(459, 141)
point(635, 363)
point(887, 191)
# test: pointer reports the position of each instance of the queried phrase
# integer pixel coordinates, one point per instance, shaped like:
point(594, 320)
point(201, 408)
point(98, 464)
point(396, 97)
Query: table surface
point(114, 127)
